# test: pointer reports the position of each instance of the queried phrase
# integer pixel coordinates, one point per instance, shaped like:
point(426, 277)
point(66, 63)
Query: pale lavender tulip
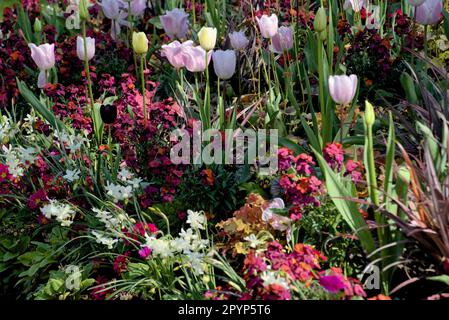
point(175, 23)
point(238, 40)
point(416, 3)
point(194, 58)
point(44, 57)
point(224, 63)
point(113, 9)
point(268, 25)
point(173, 53)
point(429, 13)
point(356, 5)
point(282, 40)
point(342, 88)
point(90, 44)
point(138, 7)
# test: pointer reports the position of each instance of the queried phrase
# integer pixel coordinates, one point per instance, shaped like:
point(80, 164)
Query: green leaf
point(441, 278)
point(342, 198)
point(39, 106)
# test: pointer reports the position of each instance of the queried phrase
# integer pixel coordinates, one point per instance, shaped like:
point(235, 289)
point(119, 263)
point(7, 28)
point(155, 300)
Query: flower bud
point(320, 21)
point(323, 36)
point(404, 174)
point(370, 116)
point(37, 25)
point(140, 42)
point(83, 10)
point(207, 37)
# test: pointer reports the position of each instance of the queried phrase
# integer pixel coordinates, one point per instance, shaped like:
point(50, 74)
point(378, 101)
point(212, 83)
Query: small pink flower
point(144, 252)
point(333, 283)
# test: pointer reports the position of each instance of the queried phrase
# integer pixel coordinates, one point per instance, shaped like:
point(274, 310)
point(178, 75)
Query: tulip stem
point(425, 39)
point(142, 79)
point(413, 35)
point(194, 12)
point(89, 85)
point(324, 119)
point(207, 96)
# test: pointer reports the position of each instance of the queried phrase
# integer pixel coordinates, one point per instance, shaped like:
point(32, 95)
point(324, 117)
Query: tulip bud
point(342, 88)
point(268, 25)
point(140, 42)
point(320, 21)
point(90, 46)
point(108, 113)
point(323, 36)
point(429, 13)
point(83, 11)
point(404, 174)
point(207, 37)
point(370, 116)
point(37, 25)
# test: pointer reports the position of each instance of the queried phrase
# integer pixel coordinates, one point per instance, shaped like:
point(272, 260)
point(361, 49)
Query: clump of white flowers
point(71, 142)
point(118, 192)
point(18, 159)
point(189, 246)
point(102, 238)
point(270, 277)
point(130, 184)
point(62, 212)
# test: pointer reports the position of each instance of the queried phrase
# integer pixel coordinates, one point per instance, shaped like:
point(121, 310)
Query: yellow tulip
point(207, 37)
point(140, 42)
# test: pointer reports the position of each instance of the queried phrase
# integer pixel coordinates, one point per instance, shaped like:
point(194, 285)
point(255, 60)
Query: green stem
point(142, 79)
point(207, 96)
point(89, 84)
point(371, 168)
point(324, 118)
point(425, 39)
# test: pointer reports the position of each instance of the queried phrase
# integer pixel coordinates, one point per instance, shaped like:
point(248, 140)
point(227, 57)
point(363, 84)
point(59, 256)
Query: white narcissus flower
point(90, 44)
point(197, 220)
point(224, 63)
point(72, 175)
point(342, 88)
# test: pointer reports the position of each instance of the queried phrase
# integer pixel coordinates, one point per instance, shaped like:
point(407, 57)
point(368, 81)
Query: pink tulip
point(173, 53)
point(282, 40)
point(194, 58)
point(342, 88)
point(138, 7)
point(44, 57)
point(429, 13)
point(175, 23)
point(238, 40)
point(268, 25)
point(90, 44)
